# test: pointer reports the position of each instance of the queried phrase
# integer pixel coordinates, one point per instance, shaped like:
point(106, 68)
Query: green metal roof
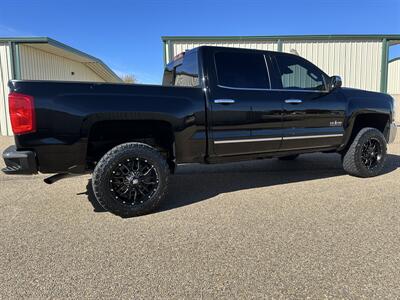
point(52, 42)
point(381, 37)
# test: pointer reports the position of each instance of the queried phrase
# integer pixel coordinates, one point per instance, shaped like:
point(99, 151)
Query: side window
point(182, 72)
point(241, 70)
point(296, 73)
point(187, 74)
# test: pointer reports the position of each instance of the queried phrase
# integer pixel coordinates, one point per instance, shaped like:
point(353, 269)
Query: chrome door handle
point(293, 101)
point(224, 101)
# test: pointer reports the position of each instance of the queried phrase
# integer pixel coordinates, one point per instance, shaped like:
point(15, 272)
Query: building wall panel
point(5, 76)
point(181, 46)
point(394, 77)
point(357, 62)
point(37, 64)
point(394, 84)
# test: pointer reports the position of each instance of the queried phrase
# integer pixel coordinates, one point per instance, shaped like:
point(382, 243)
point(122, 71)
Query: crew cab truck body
point(215, 105)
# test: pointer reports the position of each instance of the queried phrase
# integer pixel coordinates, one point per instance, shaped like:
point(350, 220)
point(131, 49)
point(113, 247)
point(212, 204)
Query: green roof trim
point(380, 37)
point(50, 41)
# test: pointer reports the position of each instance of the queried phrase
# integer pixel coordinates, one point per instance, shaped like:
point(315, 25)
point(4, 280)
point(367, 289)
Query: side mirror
point(335, 82)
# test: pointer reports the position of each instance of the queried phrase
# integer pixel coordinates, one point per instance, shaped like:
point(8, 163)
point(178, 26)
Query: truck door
point(244, 120)
point(313, 116)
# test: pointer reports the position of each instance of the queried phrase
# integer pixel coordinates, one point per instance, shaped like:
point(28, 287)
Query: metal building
point(361, 60)
point(394, 77)
point(44, 59)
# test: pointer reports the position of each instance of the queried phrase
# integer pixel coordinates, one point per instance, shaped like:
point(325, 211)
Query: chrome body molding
point(392, 133)
point(248, 140)
point(293, 101)
point(278, 138)
point(312, 136)
point(224, 101)
point(271, 90)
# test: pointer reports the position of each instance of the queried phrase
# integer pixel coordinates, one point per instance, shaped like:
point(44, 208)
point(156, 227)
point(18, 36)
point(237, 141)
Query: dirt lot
point(257, 230)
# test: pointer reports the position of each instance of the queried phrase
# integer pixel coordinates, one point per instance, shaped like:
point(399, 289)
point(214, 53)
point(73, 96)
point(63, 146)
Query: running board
point(59, 176)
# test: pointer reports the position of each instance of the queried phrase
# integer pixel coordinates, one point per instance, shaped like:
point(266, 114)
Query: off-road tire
point(289, 157)
point(103, 172)
point(352, 159)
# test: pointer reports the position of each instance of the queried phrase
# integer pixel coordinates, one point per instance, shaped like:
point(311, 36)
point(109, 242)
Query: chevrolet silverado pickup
point(215, 105)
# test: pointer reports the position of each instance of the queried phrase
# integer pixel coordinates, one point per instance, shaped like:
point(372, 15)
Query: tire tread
point(103, 164)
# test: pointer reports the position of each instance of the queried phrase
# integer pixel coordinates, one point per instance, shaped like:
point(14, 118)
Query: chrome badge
point(335, 123)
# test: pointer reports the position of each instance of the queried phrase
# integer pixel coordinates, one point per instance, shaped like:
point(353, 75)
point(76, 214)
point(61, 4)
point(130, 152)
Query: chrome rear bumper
point(392, 133)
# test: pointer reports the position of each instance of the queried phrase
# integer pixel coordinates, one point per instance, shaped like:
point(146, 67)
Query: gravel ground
point(263, 229)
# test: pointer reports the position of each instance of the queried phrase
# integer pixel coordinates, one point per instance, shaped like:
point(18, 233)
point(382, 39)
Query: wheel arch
point(359, 120)
point(104, 134)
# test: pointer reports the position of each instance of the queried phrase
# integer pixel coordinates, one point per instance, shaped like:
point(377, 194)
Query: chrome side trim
point(301, 91)
point(311, 136)
point(270, 90)
point(243, 89)
point(224, 101)
point(277, 138)
point(392, 133)
point(293, 101)
point(247, 140)
point(269, 75)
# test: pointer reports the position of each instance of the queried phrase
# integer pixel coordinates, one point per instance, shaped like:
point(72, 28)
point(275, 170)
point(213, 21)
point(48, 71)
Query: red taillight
point(22, 113)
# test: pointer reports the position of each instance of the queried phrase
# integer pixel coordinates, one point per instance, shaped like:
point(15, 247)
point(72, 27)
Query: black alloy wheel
point(133, 181)
point(366, 154)
point(371, 153)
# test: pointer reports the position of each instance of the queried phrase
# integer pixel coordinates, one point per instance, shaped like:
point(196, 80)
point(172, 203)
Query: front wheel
point(366, 155)
point(131, 179)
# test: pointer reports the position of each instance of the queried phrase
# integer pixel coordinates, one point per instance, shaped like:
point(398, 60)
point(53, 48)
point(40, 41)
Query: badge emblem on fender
point(335, 123)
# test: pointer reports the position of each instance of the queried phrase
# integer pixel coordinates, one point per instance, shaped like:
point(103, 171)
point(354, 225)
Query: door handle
point(293, 101)
point(224, 101)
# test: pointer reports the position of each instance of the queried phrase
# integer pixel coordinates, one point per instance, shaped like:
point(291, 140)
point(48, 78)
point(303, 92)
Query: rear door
point(313, 116)
point(243, 118)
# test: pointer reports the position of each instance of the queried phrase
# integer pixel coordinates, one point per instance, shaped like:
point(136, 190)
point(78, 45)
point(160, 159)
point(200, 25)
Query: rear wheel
point(131, 179)
point(289, 157)
point(366, 155)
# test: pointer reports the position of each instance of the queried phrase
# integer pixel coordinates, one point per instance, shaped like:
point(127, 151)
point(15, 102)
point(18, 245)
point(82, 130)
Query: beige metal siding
point(5, 76)
point(37, 64)
point(397, 99)
point(394, 77)
point(181, 46)
point(357, 62)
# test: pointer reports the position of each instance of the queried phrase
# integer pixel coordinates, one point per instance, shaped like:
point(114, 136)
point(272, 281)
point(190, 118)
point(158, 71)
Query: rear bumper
point(19, 162)
point(392, 133)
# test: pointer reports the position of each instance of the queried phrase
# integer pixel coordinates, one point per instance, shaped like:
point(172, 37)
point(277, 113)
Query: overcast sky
point(126, 35)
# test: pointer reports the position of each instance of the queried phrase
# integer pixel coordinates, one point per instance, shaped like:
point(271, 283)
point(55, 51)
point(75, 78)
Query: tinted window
point(297, 73)
point(241, 70)
point(184, 74)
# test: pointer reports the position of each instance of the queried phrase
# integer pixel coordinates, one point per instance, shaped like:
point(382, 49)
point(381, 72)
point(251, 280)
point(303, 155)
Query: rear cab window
point(183, 71)
point(242, 70)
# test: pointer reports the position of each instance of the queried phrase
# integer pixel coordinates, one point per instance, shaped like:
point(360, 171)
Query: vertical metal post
point(384, 65)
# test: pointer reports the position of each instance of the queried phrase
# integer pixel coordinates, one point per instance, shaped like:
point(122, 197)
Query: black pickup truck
point(215, 105)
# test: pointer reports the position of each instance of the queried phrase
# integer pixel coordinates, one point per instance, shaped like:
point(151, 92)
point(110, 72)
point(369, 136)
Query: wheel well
point(378, 121)
point(105, 135)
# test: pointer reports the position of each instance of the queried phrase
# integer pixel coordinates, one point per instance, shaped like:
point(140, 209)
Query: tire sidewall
point(371, 133)
point(103, 173)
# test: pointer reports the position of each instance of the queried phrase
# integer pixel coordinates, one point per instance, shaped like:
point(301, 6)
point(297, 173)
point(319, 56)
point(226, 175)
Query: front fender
point(364, 103)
